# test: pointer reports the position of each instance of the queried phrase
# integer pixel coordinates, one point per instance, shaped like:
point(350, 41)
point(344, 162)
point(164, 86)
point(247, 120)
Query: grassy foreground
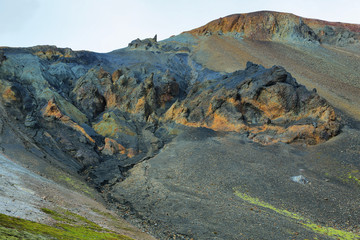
point(68, 226)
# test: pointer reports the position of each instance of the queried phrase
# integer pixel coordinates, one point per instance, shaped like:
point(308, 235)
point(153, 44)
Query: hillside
point(319, 54)
point(245, 128)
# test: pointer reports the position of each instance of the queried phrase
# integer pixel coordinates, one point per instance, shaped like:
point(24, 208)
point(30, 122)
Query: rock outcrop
point(145, 44)
point(268, 104)
point(123, 111)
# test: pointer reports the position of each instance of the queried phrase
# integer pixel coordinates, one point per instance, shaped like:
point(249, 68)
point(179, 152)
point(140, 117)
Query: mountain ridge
point(278, 26)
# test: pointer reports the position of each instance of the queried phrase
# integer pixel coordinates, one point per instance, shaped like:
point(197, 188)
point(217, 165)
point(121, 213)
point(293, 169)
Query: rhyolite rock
point(123, 102)
point(268, 104)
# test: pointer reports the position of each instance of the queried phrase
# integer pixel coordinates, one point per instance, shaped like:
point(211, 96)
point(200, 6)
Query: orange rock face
point(271, 108)
point(52, 52)
point(52, 111)
point(116, 74)
point(112, 147)
point(9, 95)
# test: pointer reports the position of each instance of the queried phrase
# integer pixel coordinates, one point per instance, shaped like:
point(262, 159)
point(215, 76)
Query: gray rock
point(300, 179)
point(30, 121)
point(145, 44)
point(2, 57)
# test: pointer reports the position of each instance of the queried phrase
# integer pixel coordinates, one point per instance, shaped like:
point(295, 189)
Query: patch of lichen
point(307, 223)
point(57, 216)
point(111, 126)
point(332, 232)
point(16, 228)
point(260, 203)
point(105, 214)
point(115, 221)
point(65, 216)
point(351, 177)
point(75, 184)
point(354, 176)
point(12, 234)
point(71, 182)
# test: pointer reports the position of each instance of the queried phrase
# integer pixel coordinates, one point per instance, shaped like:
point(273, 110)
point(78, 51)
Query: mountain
point(319, 54)
point(282, 27)
point(245, 128)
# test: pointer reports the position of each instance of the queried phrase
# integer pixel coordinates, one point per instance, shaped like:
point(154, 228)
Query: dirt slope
point(333, 71)
point(319, 54)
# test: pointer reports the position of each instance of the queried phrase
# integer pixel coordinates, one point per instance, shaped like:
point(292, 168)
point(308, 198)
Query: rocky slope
point(283, 27)
point(143, 123)
point(325, 56)
point(35, 198)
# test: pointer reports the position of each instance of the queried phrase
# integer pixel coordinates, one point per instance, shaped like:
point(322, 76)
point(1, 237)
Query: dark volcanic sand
point(189, 188)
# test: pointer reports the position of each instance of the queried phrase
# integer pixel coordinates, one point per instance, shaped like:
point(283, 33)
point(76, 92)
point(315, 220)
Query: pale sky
point(106, 25)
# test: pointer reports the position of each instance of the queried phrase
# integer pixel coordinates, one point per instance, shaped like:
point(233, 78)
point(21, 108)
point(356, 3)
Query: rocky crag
point(105, 116)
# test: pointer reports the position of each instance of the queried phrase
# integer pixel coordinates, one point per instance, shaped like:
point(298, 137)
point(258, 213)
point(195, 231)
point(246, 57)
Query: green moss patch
point(350, 177)
point(76, 184)
point(354, 176)
point(58, 217)
point(112, 126)
point(105, 214)
point(307, 223)
point(69, 226)
point(116, 223)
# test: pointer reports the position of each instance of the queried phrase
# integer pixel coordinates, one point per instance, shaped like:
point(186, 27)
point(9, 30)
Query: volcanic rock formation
point(129, 105)
point(122, 111)
point(107, 116)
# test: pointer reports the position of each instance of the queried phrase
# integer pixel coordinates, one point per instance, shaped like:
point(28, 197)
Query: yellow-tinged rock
point(52, 110)
point(8, 92)
point(113, 147)
point(110, 126)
